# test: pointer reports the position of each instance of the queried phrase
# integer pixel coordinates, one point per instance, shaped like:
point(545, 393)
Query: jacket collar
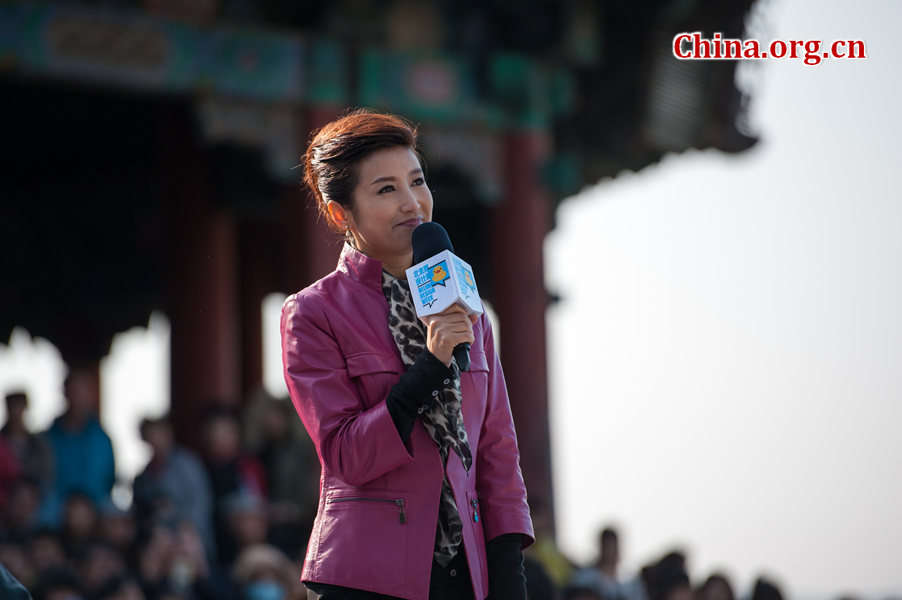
point(360, 267)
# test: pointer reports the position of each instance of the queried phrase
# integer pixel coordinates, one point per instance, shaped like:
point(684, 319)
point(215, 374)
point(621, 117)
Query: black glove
point(505, 561)
point(416, 391)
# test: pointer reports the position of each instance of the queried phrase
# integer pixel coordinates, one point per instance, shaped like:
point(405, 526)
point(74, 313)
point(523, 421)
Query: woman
point(419, 461)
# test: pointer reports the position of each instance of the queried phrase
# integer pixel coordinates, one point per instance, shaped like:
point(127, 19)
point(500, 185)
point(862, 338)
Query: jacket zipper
point(402, 517)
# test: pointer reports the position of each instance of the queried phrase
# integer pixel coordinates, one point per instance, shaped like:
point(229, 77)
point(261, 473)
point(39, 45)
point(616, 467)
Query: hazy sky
point(726, 366)
point(727, 361)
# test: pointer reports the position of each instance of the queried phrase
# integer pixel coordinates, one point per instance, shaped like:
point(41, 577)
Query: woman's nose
point(410, 201)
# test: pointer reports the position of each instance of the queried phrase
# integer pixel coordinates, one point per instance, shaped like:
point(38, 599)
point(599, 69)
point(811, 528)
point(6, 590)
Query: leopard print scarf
point(443, 420)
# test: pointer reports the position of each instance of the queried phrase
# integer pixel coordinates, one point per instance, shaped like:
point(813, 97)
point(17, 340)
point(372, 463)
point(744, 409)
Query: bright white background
point(726, 366)
point(727, 361)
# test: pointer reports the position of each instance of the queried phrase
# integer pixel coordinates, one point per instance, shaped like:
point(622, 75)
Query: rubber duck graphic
point(468, 278)
point(438, 273)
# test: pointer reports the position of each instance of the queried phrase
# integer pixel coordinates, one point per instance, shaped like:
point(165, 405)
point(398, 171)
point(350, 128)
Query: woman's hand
point(447, 329)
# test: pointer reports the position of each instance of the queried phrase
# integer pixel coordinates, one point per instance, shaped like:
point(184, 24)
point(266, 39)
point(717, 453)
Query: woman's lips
point(411, 222)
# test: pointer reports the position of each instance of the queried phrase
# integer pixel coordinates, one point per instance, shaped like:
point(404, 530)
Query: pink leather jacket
point(378, 507)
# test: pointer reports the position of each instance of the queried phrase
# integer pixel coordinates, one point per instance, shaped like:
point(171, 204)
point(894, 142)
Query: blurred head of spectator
point(172, 558)
point(121, 587)
point(118, 528)
point(154, 551)
point(14, 557)
point(716, 587)
point(159, 435)
point(32, 453)
point(79, 523)
point(263, 572)
point(246, 518)
point(766, 589)
point(46, 550)
point(58, 584)
point(20, 516)
point(188, 556)
point(82, 398)
point(278, 421)
point(100, 562)
point(668, 579)
point(16, 405)
point(221, 436)
point(608, 551)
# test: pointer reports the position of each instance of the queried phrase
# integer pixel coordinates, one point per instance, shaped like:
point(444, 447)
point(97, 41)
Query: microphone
point(439, 278)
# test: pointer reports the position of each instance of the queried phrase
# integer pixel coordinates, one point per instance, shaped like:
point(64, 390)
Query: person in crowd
point(15, 558)
point(263, 572)
point(118, 528)
point(421, 489)
point(276, 437)
point(716, 587)
point(82, 450)
point(545, 551)
point(766, 589)
point(668, 579)
point(99, 562)
point(247, 521)
point(153, 553)
point(121, 587)
point(603, 576)
point(59, 583)
point(10, 471)
point(79, 524)
point(19, 519)
point(230, 468)
point(32, 451)
point(172, 562)
point(46, 551)
point(174, 480)
point(539, 583)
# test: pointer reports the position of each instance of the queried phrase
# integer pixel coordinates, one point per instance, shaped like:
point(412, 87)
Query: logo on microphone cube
point(441, 281)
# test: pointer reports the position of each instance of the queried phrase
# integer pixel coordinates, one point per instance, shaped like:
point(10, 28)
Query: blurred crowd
point(552, 576)
point(228, 520)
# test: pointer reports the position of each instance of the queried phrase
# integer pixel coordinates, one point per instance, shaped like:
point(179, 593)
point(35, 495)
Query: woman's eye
point(418, 181)
point(385, 189)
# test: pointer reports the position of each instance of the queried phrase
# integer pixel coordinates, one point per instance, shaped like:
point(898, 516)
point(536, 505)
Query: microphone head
point(428, 239)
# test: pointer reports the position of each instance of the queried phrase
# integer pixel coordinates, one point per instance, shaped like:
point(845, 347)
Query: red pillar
point(257, 258)
point(202, 301)
point(521, 222)
point(312, 249)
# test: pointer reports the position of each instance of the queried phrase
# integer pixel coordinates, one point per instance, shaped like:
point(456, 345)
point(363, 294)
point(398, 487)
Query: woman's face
point(390, 200)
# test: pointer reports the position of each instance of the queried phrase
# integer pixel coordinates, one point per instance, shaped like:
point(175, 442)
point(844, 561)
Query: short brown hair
point(330, 163)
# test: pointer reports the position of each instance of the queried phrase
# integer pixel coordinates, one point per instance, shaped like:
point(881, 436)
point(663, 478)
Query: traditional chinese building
point(150, 152)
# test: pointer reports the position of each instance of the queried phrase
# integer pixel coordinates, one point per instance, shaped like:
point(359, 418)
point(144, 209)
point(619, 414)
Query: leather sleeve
point(499, 481)
point(357, 444)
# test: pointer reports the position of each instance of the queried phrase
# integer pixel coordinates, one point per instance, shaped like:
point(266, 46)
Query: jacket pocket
point(399, 502)
point(374, 374)
point(478, 360)
point(365, 534)
point(364, 363)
